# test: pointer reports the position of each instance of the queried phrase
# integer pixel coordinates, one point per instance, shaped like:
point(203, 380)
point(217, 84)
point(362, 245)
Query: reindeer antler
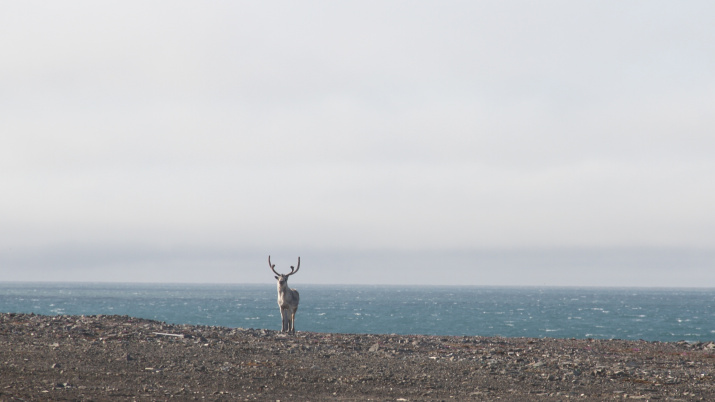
point(292, 269)
point(273, 267)
point(296, 269)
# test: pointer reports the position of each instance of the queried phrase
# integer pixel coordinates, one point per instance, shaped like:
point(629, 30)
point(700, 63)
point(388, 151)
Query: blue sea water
point(602, 313)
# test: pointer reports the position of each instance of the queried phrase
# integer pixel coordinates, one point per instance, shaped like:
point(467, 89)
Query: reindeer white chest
point(288, 298)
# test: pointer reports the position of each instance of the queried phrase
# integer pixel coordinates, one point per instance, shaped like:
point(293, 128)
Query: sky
point(494, 143)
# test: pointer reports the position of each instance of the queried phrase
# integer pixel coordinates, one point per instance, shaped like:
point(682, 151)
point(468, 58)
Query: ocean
point(600, 313)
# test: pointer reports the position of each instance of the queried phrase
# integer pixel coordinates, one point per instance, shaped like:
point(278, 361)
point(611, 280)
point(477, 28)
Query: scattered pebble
point(120, 357)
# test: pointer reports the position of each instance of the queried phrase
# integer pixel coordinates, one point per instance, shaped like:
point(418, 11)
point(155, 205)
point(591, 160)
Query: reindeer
point(287, 298)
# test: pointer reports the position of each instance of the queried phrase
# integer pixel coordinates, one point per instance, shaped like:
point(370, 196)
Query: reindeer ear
point(276, 277)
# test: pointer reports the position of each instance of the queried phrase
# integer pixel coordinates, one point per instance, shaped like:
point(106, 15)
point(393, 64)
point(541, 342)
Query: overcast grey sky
point(420, 142)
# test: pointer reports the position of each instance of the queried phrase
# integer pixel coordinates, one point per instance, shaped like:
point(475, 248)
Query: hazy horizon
point(542, 268)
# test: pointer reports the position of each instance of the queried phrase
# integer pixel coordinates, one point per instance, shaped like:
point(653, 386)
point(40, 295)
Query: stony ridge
point(126, 358)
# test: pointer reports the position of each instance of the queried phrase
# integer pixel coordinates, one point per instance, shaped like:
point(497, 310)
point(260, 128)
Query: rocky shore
point(125, 358)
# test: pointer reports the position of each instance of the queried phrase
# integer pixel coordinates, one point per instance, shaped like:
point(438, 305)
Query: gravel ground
point(120, 357)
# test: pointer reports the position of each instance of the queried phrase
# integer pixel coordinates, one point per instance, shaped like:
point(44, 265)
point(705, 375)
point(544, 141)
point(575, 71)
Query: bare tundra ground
point(125, 358)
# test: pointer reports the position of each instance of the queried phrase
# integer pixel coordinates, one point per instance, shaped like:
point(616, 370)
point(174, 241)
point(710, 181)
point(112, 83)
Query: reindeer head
point(283, 278)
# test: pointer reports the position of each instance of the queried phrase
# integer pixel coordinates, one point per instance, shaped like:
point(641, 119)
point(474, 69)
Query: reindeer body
point(288, 298)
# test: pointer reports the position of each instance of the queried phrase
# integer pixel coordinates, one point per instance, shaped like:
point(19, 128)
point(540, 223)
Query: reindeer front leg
point(292, 321)
point(285, 316)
